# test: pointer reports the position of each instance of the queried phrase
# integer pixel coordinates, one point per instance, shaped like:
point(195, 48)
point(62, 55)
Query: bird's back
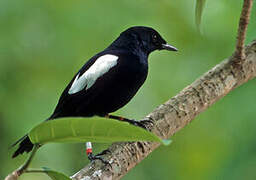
point(110, 91)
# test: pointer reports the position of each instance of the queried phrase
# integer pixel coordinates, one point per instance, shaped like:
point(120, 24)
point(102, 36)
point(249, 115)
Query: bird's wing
point(82, 83)
point(103, 71)
point(86, 80)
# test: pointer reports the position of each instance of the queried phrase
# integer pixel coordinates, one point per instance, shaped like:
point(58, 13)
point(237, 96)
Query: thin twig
point(242, 29)
point(23, 168)
point(34, 171)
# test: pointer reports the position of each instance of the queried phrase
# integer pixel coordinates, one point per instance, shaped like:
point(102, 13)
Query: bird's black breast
point(111, 91)
point(128, 76)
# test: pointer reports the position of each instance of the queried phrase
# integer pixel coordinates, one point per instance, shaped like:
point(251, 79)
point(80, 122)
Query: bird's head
point(145, 38)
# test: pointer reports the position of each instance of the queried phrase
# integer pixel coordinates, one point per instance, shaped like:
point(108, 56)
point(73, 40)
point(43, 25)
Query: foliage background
point(43, 43)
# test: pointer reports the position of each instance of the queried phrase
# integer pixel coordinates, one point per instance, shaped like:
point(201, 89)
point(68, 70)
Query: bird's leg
point(131, 121)
point(103, 152)
point(92, 157)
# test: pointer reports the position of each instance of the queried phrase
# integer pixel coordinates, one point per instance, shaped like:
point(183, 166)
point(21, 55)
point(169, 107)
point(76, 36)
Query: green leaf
point(87, 129)
point(54, 175)
point(198, 12)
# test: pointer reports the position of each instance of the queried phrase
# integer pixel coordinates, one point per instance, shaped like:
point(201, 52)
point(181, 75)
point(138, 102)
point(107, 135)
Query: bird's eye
point(154, 37)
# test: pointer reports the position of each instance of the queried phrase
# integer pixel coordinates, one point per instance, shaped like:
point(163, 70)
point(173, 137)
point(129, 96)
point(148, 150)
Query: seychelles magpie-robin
point(109, 80)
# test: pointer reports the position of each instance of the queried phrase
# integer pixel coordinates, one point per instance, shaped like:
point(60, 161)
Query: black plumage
point(117, 78)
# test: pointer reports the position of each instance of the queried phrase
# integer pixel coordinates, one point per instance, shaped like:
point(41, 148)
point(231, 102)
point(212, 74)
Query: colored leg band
point(88, 148)
point(88, 151)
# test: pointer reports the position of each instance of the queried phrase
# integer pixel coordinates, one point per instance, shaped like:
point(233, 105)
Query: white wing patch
point(100, 67)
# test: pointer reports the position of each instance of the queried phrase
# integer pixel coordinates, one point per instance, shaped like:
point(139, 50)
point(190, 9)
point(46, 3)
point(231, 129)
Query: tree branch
point(173, 115)
point(242, 29)
point(176, 113)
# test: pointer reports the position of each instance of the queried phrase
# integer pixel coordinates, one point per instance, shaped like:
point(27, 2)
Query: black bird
point(109, 80)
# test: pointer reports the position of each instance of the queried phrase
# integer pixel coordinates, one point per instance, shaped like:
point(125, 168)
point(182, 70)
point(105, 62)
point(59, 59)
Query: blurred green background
point(44, 43)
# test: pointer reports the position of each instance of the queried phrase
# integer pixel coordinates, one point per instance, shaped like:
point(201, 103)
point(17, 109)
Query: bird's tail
point(25, 145)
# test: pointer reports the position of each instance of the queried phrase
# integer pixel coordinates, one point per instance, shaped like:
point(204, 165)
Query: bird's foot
point(131, 121)
point(103, 152)
point(145, 121)
point(137, 123)
point(92, 158)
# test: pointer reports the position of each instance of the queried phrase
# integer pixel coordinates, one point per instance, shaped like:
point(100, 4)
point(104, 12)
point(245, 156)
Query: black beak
point(169, 47)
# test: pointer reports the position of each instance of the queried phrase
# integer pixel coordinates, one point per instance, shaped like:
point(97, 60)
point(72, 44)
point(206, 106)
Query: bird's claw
point(147, 121)
point(138, 123)
point(92, 158)
point(103, 152)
